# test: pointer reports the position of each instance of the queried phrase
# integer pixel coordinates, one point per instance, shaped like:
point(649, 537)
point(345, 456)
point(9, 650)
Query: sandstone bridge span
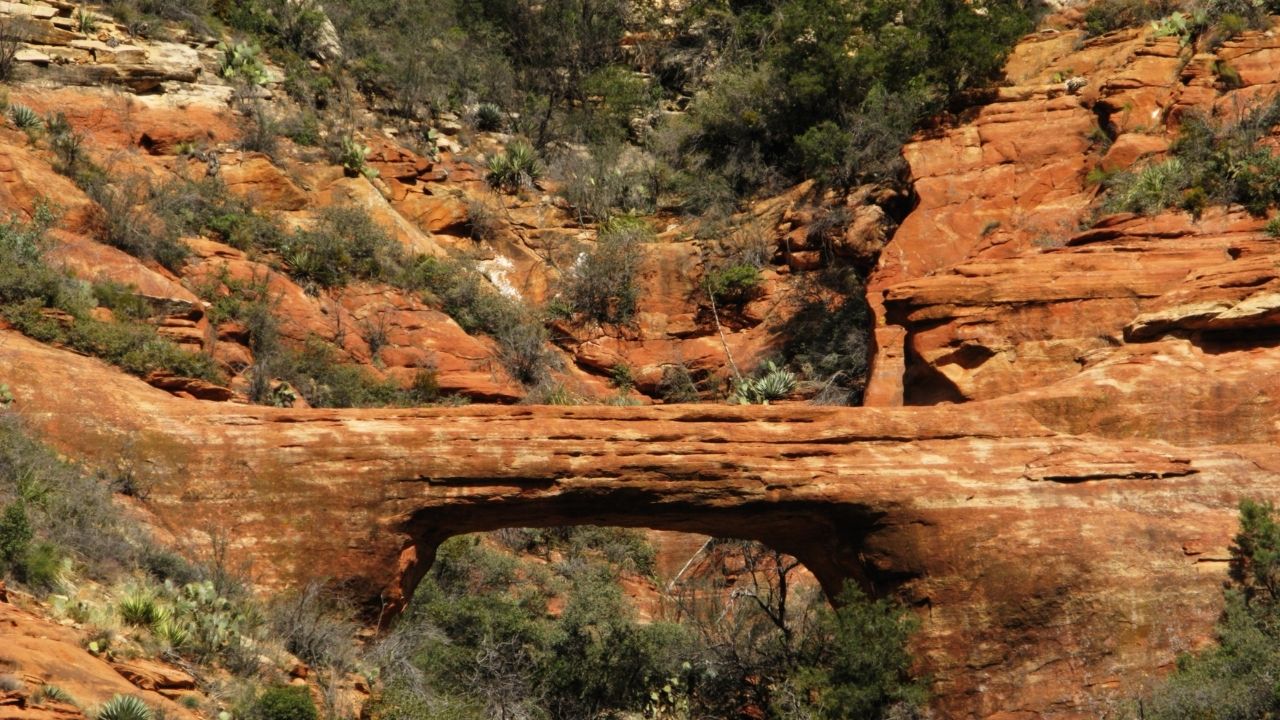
point(1046, 565)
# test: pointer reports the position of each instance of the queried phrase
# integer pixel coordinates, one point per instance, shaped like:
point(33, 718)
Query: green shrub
point(621, 376)
point(483, 219)
point(16, 535)
point(603, 287)
point(260, 132)
point(344, 244)
point(1148, 190)
point(124, 707)
point(733, 285)
point(315, 372)
point(1210, 163)
point(316, 628)
point(67, 145)
point(828, 339)
point(283, 703)
point(616, 95)
point(1107, 15)
point(133, 346)
point(608, 179)
point(50, 510)
point(677, 385)
point(126, 223)
point(864, 669)
point(1235, 679)
point(29, 286)
point(425, 387)
point(24, 273)
point(467, 297)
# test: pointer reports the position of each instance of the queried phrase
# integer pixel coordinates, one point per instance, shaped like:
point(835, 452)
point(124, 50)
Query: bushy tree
point(1237, 679)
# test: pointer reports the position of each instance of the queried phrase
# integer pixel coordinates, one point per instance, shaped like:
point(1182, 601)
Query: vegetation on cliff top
point(1212, 162)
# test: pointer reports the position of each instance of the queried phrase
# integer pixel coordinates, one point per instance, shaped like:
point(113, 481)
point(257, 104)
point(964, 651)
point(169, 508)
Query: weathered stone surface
point(152, 675)
point(254, 178)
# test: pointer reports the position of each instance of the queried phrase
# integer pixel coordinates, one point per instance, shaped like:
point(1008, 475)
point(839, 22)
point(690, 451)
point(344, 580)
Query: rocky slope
point(1067, 418)
point(159, 111)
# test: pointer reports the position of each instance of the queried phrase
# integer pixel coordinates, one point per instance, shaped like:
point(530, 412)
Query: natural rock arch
point(1042, 562)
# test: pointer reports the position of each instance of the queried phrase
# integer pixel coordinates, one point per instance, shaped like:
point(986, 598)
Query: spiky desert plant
point(516, 168)
point(488, 117)
point(24, 118)
point(172, 632)
point(55, 694)
point(86, 22)
point(139, 609)
point(124, 707)
point(776, 383)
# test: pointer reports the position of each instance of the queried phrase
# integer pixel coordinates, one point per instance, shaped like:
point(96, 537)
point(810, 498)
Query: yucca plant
point(172, 632)
point(55, 694)
point(24, 118)
point(86, 22)
point(124, 707)
point(488, 117)
point(516, 168)
point(139, 609)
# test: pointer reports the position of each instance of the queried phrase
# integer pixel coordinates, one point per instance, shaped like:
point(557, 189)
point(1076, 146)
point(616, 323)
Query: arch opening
point(826, 540)
point(525, 620)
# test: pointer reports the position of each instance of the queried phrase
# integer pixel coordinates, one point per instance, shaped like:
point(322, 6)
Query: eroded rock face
point(1002, 279)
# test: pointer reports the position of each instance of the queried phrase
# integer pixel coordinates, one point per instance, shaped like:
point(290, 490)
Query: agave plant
point(489, 117)
point(124, 707)
point(776, 383)
point(24, 117)
point(56, 694)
